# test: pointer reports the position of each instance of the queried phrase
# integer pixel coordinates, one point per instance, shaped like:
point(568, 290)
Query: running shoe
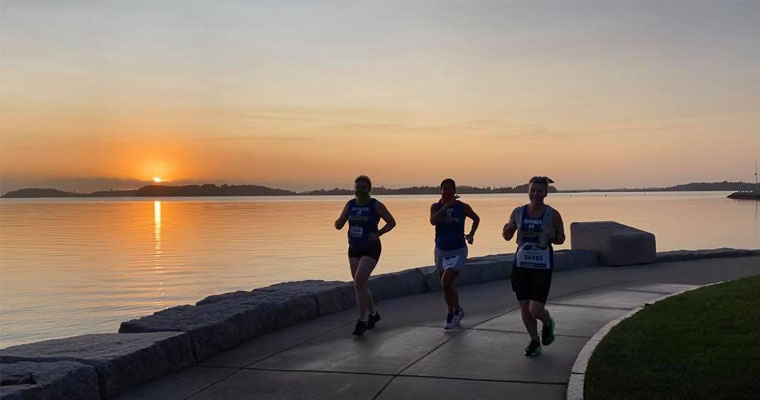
point(360, 327)
point(547, 333)
point(449, 322)
point(458, 315)
point(533, 349)
point(373, 318)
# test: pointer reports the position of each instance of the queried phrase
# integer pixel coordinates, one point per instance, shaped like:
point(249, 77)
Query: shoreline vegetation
point(256, 190)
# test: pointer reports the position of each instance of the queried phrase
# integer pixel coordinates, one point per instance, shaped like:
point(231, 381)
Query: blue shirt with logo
point(362, 221)
point(449, 230)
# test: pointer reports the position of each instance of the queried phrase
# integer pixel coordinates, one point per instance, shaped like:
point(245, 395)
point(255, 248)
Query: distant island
point(745, 196)
point(257, 190)
point(427, 190)
point(159, 191)
point(246, 190)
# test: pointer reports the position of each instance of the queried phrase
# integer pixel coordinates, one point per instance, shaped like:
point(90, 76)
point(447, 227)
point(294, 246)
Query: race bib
point(529, 255)
point(450, 261)
point(356, 231)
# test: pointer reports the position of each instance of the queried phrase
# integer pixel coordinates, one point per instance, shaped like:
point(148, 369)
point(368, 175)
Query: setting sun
point(156, 179)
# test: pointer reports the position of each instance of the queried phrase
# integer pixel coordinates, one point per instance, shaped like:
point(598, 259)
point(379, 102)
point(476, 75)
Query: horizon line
point(302, 192)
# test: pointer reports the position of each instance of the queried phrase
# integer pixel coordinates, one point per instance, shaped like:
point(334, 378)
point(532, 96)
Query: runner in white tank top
point(538, 226)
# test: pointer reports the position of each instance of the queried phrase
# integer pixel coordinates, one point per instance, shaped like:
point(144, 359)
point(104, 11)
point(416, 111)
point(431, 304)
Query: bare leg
point(370, 302)
point(539, 311)
point(454, 289)
point(354, 263)
point(361, 286)
point(449, 290)
point(528, 319)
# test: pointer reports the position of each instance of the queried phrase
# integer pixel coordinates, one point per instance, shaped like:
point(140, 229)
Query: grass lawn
point(703, 344)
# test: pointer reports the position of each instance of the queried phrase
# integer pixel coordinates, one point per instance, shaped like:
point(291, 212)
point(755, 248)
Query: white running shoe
point(449, 322)
point(458, 316)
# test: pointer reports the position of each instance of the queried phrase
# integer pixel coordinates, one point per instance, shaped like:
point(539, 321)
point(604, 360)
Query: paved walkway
point(409, 356)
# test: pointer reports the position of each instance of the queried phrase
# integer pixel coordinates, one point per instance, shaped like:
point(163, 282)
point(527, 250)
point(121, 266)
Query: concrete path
point(410, 356)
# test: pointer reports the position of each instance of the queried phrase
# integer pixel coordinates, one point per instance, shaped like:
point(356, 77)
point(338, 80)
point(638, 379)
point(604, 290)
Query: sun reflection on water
point(157, 265)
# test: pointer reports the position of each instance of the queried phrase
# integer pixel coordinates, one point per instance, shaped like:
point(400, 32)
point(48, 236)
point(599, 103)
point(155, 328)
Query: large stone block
point(221, 322)
point(211, 328)
point(397, 284)
point(335, 297)
point(499, 266)
point(566, 260)
point(686, 255)
point(475, 270)
point(60, 380)
point(483, 270)
point(616, 244)
point(330, 296)
point(122, 361)
point(432, 278)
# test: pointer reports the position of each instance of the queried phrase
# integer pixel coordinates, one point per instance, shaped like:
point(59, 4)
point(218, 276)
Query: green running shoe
point(533, 349)
point(547, 333)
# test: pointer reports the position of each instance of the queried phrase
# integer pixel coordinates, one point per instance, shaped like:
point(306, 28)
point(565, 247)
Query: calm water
point(73, 266)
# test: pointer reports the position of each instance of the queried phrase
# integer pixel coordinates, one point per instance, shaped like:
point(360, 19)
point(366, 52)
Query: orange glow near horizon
point(480, 155)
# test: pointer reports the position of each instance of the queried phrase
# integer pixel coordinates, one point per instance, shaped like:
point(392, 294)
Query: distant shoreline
point(745, 196)
point(211, 190)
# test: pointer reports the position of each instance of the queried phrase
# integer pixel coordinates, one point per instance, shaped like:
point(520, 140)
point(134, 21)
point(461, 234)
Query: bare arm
point(390, 222)
point(559, 229)
point(468, 212)
point(435, 216)
point(509, 228)
point(343, 218)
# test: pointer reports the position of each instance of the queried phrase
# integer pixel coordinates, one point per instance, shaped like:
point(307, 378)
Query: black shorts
point(373, 249)
point(531, 284)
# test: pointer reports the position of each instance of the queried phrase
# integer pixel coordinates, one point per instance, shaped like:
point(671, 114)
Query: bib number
point(356, 231)
point(529, 255)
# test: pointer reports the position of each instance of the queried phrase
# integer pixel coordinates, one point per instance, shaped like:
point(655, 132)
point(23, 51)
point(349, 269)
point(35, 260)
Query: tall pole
point(756, 191)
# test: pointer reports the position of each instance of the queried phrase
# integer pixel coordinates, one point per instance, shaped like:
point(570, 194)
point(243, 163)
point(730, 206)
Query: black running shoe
point(547, 333)
point(373, 318)
point(360, 327)
point(533, 349)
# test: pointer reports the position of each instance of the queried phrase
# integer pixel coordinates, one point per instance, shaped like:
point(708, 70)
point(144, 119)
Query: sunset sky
point(303, 95)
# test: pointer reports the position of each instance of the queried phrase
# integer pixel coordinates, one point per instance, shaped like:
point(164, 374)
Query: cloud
point(260, 138)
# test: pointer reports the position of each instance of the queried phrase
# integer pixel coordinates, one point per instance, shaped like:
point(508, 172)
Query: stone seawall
point(104, 366)
point(221, 322)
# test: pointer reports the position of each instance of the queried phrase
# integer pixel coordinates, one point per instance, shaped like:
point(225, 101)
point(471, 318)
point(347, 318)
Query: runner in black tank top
point(448, 215)
point(538, 226)
point(363, 213)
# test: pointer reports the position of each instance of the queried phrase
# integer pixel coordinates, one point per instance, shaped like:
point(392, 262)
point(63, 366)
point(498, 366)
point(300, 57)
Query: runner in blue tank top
point(448, 216)
point(538, 226)
point(363, 214)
